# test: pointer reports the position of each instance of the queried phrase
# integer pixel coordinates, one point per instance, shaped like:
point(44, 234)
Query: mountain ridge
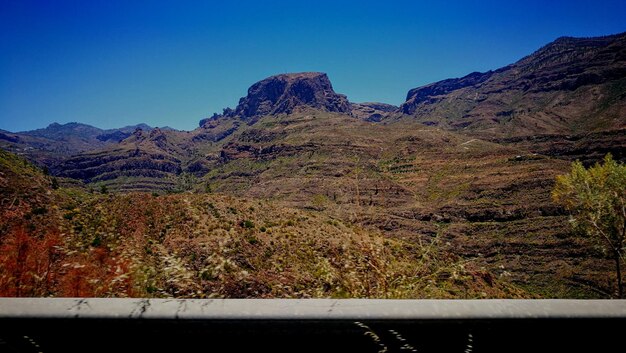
point(552, 90)
point(276, 94)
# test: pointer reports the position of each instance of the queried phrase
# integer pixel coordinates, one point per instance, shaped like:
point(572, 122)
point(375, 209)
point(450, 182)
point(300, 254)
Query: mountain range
point(466, 164)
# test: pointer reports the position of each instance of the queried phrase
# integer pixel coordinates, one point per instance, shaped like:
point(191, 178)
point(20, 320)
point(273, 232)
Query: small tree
point(54, 183)
point(185, 182)
point(596, 198)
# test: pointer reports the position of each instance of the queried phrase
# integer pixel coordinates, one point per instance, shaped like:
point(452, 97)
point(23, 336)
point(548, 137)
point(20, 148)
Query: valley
point(298, 192)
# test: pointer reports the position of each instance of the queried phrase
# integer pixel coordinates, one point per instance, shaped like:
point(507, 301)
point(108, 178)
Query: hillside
point(66, 242)
point(570, 86)
point(484, 201)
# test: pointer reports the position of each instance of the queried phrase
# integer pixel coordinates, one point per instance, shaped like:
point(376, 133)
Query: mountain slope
point(144, 161)
point(417, 184)
point(572, 85)
point(487, 201)
point(65, 242)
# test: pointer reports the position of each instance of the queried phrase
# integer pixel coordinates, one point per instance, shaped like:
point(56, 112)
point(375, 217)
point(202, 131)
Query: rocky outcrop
point(283, 94)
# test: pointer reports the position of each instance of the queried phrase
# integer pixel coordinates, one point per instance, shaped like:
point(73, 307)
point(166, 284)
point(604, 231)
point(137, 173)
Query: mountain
point(145, 160)
point(50, 145)
point(58, 132)
point(86, 133)
point(570, 86)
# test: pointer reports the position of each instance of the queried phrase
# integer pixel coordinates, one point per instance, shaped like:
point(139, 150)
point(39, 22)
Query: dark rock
point(159, 138)
point(283, 94)
point(210, 120)
point(138, 133)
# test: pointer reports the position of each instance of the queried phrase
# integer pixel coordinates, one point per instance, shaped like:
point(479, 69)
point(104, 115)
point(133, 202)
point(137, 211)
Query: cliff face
point(569, 86)
point(282, 94)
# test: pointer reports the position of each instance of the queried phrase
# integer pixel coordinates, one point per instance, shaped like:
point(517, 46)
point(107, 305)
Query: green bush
point(247, 224)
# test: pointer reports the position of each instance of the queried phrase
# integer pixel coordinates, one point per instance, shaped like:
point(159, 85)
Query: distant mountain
point(57, 141)
point(572, 85)
point(117, 135)
point(77, 131)
point(59, 132)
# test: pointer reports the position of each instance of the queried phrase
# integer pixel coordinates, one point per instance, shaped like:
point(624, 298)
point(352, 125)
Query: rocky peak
point(287, 92)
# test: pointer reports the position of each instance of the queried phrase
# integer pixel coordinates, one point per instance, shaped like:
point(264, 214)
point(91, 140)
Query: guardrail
point(310, 325)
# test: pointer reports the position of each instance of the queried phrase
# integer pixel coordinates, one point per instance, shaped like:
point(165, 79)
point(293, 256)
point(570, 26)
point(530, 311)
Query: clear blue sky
point(114, 63)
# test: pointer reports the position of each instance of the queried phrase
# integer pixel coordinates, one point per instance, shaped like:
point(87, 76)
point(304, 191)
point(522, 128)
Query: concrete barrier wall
point(319, 325)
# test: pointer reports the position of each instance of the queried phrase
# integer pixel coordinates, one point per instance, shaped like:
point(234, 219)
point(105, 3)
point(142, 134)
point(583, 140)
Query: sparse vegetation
point(596, 198)
point(185, 245)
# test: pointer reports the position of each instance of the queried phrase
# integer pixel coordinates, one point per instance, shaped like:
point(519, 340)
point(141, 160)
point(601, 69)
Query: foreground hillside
point(67, 242)
point(481, 200)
